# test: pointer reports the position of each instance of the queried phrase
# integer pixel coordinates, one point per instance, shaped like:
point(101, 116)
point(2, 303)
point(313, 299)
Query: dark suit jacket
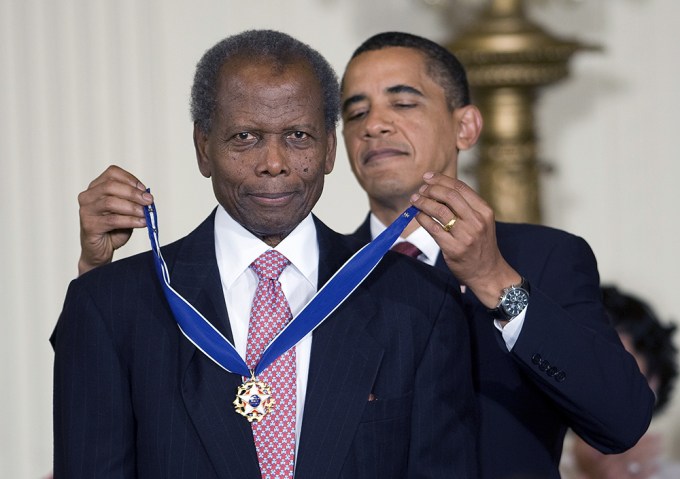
point(133, 398)
point(567, 369)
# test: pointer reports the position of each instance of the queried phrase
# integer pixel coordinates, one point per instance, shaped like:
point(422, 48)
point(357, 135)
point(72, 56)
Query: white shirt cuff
point(511, 330)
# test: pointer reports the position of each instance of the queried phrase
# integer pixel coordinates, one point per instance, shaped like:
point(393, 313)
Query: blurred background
point(88, 83)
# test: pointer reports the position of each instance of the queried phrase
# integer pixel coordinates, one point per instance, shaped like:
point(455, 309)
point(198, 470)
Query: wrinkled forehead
point(259, 93)
point(244, 64)
point(247, 76)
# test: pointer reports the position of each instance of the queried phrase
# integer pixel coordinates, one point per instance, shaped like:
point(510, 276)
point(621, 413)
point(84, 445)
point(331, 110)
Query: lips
point(376, 154)
point(271, 198)
point(273, 195)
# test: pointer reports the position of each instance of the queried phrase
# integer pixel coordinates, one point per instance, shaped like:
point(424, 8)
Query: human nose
point(378, 123)
point(274, 160)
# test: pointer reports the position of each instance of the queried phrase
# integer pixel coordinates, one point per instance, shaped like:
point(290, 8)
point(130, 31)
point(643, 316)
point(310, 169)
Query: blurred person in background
point(651, 343)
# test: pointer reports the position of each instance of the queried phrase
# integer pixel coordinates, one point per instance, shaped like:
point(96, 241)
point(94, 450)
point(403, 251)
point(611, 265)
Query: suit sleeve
point(93, 419)
point(444, 416)
point(570, 351)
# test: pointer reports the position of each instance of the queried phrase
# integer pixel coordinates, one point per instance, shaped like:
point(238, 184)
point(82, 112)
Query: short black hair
point(260, 45)
point(442, 65)
point(651, 339)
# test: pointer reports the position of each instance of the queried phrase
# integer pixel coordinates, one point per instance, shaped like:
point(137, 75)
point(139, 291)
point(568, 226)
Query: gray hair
point(260, 44)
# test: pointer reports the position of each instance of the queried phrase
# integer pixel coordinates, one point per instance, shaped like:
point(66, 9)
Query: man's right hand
point(111, 206)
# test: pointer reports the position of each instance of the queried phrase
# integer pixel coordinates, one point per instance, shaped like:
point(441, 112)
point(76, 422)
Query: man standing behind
point(539, 369)
point(545, 357)
point(381, 389)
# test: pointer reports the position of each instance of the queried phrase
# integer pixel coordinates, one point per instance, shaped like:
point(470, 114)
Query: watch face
point(515, 302)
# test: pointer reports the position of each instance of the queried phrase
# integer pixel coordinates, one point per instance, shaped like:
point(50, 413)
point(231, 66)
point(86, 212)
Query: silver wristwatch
point(512, 302)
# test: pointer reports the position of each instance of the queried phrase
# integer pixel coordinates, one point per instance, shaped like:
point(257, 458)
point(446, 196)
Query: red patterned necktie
point(409, 249)
point(275, 433)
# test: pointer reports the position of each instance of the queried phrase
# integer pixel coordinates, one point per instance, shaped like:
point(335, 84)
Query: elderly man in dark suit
point(382, 388)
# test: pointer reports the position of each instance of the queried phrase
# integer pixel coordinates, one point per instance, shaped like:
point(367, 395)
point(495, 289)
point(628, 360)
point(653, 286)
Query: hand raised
point(468, 244)
point(110, 207)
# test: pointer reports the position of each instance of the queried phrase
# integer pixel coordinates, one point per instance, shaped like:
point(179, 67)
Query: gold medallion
point(253, 399)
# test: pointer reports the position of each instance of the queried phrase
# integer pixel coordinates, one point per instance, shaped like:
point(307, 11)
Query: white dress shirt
point(235, 249)
point(430, 250)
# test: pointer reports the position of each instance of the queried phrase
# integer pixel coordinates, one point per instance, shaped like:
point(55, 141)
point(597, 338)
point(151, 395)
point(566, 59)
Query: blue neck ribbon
point(213, 344)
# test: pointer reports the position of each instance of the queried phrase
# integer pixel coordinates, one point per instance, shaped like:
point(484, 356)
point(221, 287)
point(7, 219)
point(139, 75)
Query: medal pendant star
point(253, 400)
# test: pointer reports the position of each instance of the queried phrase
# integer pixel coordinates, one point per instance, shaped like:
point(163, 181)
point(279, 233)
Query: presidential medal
point(253, 399)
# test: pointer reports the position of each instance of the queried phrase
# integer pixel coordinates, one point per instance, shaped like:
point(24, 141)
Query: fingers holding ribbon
point(110, 207)
point(463, 226)
point(442, 206)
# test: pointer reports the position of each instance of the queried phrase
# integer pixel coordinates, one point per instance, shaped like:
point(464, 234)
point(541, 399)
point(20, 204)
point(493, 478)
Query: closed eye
point(405, 105)
point(355, 114)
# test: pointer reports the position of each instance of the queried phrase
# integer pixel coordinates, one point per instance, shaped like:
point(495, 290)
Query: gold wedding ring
point(447, 227)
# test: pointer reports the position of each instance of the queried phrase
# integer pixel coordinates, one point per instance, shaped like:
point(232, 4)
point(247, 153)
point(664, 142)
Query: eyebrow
point(351, 101)
point(404, 89)
point(393, 90)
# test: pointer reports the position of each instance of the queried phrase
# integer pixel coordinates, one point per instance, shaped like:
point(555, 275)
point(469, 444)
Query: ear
point(201, 147)
point(331, 147)
point(470, 123)
point(654, 384)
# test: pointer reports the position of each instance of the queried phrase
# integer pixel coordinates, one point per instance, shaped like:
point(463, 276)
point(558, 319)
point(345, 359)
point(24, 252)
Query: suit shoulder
point(114, 269)
point(125, 271)
point(543, 252)
point(527, 230)
point(116, 292)
point(537, 237)
point(199, 240)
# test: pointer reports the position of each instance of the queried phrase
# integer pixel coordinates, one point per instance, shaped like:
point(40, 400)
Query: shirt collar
point(236, 248)
point(419, 238)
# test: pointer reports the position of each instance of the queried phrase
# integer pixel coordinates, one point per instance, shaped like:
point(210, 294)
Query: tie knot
point(269, 265)
point(409, 249)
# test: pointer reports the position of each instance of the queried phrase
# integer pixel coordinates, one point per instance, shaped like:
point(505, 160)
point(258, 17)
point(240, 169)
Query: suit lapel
point(343, 366)
point(440, 263)
point(363, 232)
point(207, 389)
